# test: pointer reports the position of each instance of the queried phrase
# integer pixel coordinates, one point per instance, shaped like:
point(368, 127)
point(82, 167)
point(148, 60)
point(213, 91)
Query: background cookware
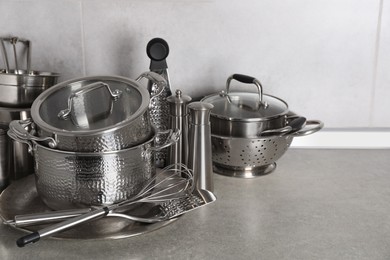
point(19, 87)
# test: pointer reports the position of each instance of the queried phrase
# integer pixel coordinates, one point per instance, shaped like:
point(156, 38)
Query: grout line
point(82, 38)
point(375, 65)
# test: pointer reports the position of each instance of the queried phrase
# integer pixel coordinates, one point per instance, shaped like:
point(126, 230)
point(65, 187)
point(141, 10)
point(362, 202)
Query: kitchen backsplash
point(328, 59)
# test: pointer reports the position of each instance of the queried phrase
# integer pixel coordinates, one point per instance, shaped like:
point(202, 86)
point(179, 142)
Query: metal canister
point(178, 153)
point(200, 154)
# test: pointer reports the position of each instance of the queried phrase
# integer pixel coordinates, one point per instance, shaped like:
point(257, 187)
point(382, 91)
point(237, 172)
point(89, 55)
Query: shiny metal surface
point(166, 187)
point(21, 198)
point(19, 87)
point(251, 157)
point(247, 154)
point(200, 152)
point(8, 114)
point(73, 179)
point(21, 162)
point(128, 123)
point(178, 153)
point(157, 213)
point(4, 158)
point(157, 50)
point(245, 114)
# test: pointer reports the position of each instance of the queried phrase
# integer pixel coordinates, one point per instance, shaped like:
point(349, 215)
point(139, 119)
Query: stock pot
point(66, 179)
point(91, 114)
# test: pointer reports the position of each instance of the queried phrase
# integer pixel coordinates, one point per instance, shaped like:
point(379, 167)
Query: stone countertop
point(317, 204)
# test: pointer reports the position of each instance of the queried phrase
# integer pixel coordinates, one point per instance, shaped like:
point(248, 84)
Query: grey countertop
point(317, 204)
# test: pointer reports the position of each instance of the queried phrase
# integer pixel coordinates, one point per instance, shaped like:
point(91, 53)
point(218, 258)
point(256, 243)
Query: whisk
point(172, 183)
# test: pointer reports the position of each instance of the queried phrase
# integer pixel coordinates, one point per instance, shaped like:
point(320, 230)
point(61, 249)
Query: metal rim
point(213, 97)
point(49, 128)
point(89, 154)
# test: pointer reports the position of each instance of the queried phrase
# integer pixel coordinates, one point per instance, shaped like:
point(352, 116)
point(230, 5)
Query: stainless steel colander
point(251, 157)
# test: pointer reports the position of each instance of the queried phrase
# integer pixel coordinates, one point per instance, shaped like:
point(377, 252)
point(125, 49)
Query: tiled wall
point(329, 59)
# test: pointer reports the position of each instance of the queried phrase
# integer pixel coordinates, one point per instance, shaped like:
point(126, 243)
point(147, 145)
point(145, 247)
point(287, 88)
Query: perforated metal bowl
point(251, 157)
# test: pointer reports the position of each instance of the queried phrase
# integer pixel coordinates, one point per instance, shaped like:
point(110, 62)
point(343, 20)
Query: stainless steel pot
point(18, 87)
point(73, 179)
point(92, 114)
point(251, 157)
point(20, 162)
point(246, 114)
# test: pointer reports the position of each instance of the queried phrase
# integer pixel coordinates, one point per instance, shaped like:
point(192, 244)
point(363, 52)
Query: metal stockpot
point(19, 88)
point(92, 114)
point(251, 157)
point(246, 114)
point(21, 163)
point(73, 179)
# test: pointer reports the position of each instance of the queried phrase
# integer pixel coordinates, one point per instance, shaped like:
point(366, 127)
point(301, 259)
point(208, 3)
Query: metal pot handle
point(71, 111)
point(18, 132)
point(318, 125)
point(247, 80)
point(157, 80)
point(172, 138)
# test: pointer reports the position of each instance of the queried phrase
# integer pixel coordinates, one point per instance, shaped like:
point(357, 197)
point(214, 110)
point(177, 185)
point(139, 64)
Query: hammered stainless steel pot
point(92, 114)
point(246, 114)
point(67, 180)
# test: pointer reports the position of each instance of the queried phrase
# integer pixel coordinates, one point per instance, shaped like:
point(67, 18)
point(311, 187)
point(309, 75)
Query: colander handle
point(311, 127)
point(247, 80)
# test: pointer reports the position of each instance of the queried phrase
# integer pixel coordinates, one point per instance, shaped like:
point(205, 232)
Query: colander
point(251, 157)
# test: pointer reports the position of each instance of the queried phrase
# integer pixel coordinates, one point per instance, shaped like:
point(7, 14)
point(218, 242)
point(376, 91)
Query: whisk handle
point(56, 228)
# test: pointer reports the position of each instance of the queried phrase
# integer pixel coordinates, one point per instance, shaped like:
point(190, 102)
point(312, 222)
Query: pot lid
point(245, 106)
point(89, 105)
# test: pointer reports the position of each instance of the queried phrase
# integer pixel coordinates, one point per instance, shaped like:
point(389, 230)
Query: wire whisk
point(172, 183)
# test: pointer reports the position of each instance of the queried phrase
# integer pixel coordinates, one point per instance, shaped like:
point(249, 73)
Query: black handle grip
point(243, 78)
point(297, 123)
point(31, 238)
point(157, 49)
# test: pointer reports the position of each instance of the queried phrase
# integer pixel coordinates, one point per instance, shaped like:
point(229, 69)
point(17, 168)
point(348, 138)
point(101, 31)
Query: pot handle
point(157, 80)
point(247, 80)
point(296, 124)
point(317, 126)
point(18, 132)
point(71, 111)
point(172, 138)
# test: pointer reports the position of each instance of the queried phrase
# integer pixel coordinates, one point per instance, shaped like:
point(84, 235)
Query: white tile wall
point(318, 55)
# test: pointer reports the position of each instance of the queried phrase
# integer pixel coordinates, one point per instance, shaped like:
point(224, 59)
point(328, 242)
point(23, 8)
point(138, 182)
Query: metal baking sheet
point(21, 197)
